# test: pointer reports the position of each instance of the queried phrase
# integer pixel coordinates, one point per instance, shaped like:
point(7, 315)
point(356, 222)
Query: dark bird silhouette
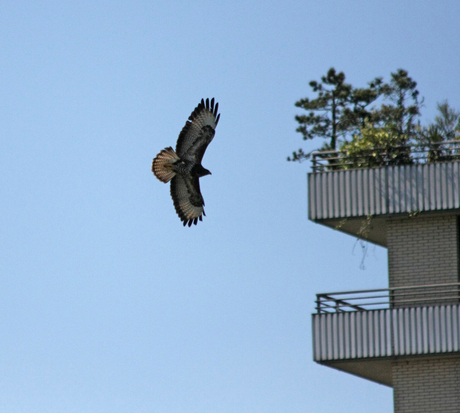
point(183, 167)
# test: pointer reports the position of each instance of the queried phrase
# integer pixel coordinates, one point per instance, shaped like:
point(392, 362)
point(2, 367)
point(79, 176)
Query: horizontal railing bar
point(398, 296)
point(434, 144)
point(360, 304)
point(391, 289)
point(367, 152)
point(355, 292)
point(379, 156)
point(407, 295)
point(361, 298)
point(415, 300)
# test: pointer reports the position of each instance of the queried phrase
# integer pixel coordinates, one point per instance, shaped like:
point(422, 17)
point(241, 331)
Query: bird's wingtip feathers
point(211, 106)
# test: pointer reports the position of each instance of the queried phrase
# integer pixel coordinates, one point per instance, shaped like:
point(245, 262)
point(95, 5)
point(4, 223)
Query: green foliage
point(447, 123)
point(376, 147)
point(403, 105)
point(357, 113)
point(324, 113)
point(446, 127)
point(373, 135)
point(337, 111)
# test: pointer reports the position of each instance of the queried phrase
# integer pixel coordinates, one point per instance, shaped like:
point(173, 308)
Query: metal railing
point(376, 157)
point(382, 298)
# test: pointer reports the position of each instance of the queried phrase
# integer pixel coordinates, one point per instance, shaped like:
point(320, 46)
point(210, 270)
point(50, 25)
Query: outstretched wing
point(186, 195)
point(198, 131)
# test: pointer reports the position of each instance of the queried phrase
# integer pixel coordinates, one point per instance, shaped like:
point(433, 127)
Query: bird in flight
point(182, 167)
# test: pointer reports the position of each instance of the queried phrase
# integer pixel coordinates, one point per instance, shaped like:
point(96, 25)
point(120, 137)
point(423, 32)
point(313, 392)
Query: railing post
point(318, 303)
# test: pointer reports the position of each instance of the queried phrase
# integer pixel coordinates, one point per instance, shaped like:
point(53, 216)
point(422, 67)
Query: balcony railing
point(353, 200)
point(383, 298)
point(362, 331)
point(378, 157)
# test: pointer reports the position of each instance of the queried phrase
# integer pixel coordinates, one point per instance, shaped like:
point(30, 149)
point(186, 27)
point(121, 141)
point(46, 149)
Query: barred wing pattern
point(188, 202)
point(198, 131)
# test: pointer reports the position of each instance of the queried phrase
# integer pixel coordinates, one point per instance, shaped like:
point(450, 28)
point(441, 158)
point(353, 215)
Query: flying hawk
point(183, 167)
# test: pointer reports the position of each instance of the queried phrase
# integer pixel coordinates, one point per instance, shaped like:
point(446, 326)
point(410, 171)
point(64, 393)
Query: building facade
point(406, 336)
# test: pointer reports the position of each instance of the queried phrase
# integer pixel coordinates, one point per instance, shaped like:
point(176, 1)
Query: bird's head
point(202, 171)
point(206, 172)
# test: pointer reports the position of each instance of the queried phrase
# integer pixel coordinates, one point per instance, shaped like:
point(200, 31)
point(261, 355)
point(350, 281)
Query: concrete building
point(406, 336)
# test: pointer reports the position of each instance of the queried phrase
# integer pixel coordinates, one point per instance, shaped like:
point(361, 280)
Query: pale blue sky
point(107, 304)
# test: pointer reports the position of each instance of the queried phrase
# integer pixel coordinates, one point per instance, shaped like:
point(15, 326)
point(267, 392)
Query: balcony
point(361, 332)
point(356, 195)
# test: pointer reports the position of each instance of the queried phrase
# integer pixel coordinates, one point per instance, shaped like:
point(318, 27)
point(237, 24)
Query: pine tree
point(336, 113)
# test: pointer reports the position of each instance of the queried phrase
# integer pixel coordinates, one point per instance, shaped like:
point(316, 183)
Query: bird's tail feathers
point(162, 164)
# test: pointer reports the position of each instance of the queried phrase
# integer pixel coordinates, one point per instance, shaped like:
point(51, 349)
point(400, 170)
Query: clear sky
point(107, 304)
